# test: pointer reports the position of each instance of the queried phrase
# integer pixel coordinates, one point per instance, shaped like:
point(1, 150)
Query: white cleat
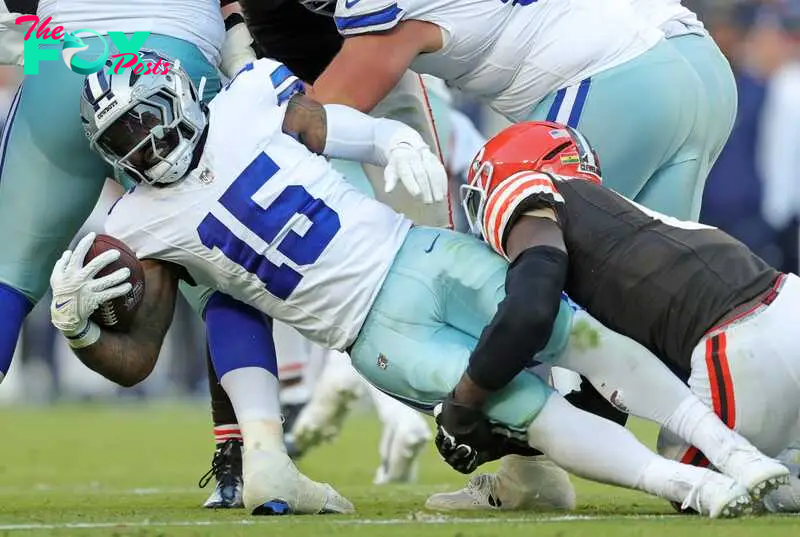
point(755, 471)
point(274, 486)
point(534, 483)
point(400, 448)
point(718, 496)
point(322, 418)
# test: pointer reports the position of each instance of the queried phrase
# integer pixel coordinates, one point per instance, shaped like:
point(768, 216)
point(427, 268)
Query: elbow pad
point(524, 319)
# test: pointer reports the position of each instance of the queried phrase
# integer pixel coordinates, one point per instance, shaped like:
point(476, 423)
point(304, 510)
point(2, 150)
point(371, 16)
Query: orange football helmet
point(540, 146)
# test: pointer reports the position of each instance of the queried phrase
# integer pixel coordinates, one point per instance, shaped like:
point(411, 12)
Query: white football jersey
point(512, 53)
point(266, 221)
point(197, 21)
point(672, 17)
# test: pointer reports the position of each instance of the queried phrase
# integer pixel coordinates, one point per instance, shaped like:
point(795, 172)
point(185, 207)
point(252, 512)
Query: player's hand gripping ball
point(117, 313)
point(100, 279)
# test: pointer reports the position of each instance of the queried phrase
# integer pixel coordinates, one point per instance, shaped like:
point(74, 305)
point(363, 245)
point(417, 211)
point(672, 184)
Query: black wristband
point(232, 20)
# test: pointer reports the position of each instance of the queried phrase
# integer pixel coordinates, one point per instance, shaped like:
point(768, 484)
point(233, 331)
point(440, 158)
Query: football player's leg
point(715, 72)
point(49, 183)
point(405, 433)
point(635, 380)
point(226, 464)
point(407, 349)
point(600, 450)
point(247, 369)
point(333, 392)
point(634, 137)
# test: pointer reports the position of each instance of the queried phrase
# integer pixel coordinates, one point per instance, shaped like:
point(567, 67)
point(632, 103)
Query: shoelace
point(221, 466)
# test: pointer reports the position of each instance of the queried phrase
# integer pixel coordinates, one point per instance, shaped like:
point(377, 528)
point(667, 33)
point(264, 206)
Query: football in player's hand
point(118, 314)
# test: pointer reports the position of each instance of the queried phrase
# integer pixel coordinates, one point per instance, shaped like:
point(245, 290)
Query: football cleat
point(753, 470)
point(534, 483)
point(785, 499)
point(400, 447)
point(226, 468)
point(322, 418)
point(274, 486)
point(718, 496)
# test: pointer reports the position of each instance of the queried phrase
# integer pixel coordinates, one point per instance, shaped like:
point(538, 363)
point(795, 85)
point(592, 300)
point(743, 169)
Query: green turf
point(134, 470)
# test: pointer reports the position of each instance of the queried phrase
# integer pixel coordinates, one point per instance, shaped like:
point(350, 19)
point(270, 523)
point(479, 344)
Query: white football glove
point(412, 163)
point(76, 294)
point(237, 49)
point(12, 43)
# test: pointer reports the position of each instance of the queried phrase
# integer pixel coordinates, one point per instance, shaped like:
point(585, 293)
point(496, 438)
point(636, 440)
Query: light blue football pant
point(49, 178)
point(441, 292)
point(652, 122)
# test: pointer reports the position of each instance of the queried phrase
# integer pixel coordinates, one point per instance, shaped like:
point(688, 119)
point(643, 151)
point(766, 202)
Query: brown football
point(118, 314)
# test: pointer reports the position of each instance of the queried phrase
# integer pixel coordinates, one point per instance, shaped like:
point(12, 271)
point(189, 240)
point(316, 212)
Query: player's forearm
point(129, 357)
point(523, 322)
point(126, 359)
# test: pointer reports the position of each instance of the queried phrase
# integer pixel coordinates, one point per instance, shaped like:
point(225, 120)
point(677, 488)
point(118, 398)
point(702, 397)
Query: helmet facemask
point(473, 195)
point(321, 7)
point(150, 141)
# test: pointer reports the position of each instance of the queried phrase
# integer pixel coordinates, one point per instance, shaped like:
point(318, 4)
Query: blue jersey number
point(279, 280)
point(520, 2)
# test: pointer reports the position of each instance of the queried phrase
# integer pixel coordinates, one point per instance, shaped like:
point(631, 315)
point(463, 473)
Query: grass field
point(132, 471)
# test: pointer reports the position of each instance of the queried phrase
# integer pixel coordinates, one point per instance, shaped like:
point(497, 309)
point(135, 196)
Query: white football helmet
point(146, 125)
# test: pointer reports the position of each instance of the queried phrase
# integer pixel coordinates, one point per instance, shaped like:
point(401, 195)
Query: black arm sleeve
point(523, 322)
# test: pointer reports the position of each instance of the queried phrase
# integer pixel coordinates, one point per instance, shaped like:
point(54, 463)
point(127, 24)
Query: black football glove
point(464, 436)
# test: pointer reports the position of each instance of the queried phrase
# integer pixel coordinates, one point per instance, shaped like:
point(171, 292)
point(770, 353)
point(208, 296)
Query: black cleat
point(226, 468)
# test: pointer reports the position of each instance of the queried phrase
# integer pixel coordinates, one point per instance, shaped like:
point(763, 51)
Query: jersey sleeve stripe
point(505, 200)
point(280, 75)
point(295, 87)
point(285, 83)
point(382, 19)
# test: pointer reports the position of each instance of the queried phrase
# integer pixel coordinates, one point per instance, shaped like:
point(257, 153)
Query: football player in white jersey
point(253, 212)
point(584, 63)
point(41, 216)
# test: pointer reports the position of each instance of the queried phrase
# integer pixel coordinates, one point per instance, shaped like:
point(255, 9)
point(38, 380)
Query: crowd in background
point(753, 193)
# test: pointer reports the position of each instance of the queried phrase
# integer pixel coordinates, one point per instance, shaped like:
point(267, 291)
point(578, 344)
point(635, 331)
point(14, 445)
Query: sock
point(588, 446)
point(225, 432)
point(253, 346)
point(603, 451)
point(670, 480)
point(14, 307)
point(254, 394)
point(696, 423)
point(263, 435)
point(626, 374)
point(222, 413)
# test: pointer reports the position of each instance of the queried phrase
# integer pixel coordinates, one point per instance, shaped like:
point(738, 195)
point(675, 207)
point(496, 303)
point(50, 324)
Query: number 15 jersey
point(266, 221)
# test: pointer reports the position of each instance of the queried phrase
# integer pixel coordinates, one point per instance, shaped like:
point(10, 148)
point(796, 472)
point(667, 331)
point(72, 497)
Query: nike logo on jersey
point(61, 305)
point(350, 3)
point(430, 248)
